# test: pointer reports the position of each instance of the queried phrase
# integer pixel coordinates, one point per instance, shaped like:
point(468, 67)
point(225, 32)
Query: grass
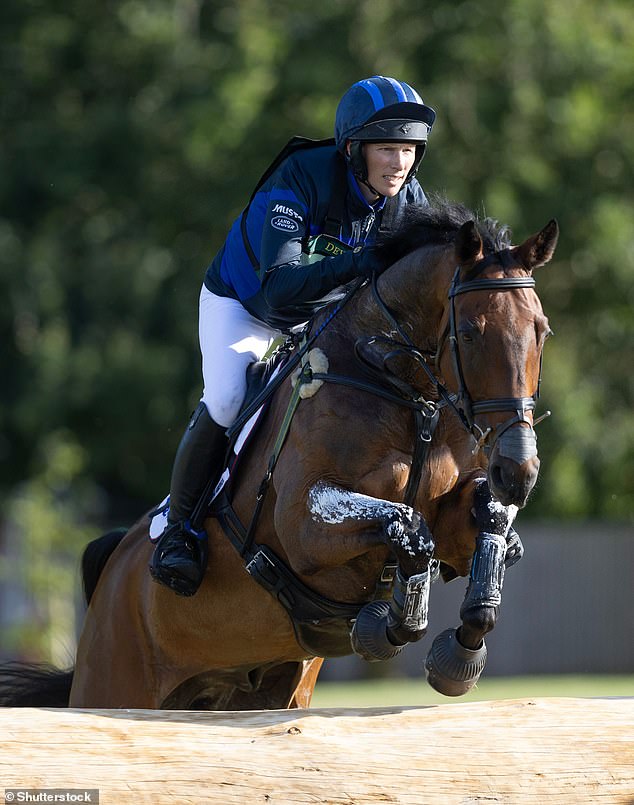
point(413, 692)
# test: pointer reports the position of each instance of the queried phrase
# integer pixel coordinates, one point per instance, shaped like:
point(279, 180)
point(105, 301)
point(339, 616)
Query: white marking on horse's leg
point(404, 527)
point(331, 504)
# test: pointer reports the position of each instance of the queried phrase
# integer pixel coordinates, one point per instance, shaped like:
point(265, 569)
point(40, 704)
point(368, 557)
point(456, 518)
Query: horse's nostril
point(495, 475)
point(511, 483)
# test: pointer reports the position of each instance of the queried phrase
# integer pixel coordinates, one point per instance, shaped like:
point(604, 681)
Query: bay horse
point(410, 460)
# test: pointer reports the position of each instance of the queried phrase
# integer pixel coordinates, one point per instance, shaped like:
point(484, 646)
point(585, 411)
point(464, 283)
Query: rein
point(315, 618)
point(292, 363)
point(395, 390)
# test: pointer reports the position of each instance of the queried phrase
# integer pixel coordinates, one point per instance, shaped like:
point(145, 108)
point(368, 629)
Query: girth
point(322, 627)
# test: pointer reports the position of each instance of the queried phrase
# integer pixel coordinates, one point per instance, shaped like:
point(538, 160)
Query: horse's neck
point(415, 290)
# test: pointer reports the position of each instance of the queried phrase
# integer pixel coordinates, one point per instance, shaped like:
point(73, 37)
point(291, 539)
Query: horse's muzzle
point(510, 483)
point(514, 466)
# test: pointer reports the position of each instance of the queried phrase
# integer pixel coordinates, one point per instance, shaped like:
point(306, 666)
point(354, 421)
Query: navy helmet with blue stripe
point(381, 109)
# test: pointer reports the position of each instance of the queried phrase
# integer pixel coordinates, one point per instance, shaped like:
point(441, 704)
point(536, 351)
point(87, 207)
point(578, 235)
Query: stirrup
point(180, 537)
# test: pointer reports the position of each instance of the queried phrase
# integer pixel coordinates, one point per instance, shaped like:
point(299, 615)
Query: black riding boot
point(180, 557)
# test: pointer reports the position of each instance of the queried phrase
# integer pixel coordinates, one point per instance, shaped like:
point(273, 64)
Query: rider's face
point(388, 166)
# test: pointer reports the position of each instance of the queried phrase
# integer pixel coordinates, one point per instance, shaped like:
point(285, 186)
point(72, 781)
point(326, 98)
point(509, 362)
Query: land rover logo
point(284, 224)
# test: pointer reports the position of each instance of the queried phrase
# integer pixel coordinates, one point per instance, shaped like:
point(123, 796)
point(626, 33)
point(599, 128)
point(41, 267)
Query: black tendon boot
point(180, 556)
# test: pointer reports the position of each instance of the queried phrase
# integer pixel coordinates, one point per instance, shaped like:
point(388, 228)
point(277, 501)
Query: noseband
point(462, 403)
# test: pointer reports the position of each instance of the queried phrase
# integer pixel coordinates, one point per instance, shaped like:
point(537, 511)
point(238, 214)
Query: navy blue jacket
point(288, 210)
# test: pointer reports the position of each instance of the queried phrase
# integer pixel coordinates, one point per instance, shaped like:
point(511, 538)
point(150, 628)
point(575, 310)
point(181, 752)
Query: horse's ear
point(468, 245)
point(538, 250)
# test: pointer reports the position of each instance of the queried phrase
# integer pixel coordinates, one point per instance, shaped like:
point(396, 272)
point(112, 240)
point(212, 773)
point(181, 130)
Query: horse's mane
point(438, 224)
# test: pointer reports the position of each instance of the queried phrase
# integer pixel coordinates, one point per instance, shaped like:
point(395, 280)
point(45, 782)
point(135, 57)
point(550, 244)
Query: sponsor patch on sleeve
point(284, 224)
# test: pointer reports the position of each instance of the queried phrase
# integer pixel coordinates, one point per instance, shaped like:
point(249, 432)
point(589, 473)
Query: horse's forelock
point(438, 224)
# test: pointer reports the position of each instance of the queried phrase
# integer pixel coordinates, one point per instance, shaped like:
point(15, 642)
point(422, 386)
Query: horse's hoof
point(451, 668)
point(369, 634)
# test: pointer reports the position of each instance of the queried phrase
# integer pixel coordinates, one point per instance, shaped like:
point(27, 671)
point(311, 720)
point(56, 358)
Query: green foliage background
point(132, 133)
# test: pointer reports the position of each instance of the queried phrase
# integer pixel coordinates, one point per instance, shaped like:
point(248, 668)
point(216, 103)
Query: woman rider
point(270, 276)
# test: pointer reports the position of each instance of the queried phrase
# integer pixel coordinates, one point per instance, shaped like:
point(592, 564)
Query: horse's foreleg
point(382, 628)
point(457, 656)
point(482, 601)
point(365, 522)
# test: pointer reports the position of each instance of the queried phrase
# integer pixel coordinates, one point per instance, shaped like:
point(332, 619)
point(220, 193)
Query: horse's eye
point(467, 333)
point(470, 330)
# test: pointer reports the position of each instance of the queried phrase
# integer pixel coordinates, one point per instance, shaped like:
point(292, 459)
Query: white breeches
point(230, 339)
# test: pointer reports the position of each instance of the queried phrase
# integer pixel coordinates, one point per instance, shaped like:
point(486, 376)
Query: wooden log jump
point(523, 751)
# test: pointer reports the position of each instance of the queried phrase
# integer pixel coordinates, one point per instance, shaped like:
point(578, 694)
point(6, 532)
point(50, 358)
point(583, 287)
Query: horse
point(409, 461)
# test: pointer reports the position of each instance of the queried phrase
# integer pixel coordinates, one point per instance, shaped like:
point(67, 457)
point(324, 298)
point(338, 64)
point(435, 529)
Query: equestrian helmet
point(380, 110)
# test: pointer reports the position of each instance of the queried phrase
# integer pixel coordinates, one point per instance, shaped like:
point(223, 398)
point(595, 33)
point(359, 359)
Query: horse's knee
point(411, 541)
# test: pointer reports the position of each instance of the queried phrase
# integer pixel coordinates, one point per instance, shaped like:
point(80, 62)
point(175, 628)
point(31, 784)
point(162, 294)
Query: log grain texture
point(521, 751)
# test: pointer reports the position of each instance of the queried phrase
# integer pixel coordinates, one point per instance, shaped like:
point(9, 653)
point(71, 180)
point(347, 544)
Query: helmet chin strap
point(368, 185)
point(356, 161)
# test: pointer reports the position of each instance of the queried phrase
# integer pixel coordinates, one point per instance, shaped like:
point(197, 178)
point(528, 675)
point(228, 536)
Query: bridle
point(471, 408)
point(462, 402)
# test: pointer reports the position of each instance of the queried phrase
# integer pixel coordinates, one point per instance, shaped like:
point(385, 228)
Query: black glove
point(491, 517)
point(368, 262)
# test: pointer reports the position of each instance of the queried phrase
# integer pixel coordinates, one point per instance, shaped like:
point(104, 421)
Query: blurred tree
point(49, 516)
point(133, 131)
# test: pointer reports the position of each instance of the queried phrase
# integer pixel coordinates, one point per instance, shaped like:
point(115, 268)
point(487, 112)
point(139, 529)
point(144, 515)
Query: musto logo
point(284, 224)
